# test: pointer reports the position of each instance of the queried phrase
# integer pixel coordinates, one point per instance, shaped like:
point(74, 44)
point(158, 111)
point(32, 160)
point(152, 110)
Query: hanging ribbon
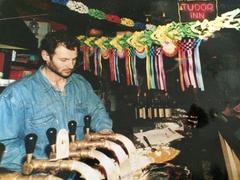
point(180, 66)
point(126, 54)
point(190, 66)
point(130, 57)
point(152, 77)
point(99, 63)
point(157, 68)
point(95, 61)
point(133, 67)
point(117, 67)
point(148, 73)
point(112, 66)
point(198, 66)
point(160, 72)
point(86, 58)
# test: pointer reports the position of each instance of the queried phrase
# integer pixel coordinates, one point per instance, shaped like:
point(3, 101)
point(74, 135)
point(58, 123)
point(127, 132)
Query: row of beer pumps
point(107, 165)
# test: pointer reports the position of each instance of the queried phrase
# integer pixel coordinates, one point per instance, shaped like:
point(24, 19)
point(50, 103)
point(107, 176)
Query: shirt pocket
point(40, 124)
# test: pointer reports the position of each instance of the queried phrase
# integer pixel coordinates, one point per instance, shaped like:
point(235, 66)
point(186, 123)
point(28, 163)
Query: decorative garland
point(98, 14)
point(171, 39)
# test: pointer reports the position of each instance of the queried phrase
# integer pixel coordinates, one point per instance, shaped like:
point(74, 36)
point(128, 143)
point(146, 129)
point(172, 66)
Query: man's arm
point(100, 118)
point(12, 130)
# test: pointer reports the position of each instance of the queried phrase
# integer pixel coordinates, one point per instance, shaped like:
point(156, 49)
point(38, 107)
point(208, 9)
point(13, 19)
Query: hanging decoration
point(181, 39)
point(77, 6)
point(189, 64)
point(159, 68)
point(98, 14)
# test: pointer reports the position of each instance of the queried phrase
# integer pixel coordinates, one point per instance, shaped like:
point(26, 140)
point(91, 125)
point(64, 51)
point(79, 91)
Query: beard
point(54, 69)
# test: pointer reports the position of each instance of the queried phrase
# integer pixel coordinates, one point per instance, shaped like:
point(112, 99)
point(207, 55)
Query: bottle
point(144, 106)
point(149, 107)
point(138, 108)
point(168, 109)
point(161, 112)
point(155, 109)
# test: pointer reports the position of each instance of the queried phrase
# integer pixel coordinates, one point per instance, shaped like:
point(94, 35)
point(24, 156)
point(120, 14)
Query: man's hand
point(106, 131)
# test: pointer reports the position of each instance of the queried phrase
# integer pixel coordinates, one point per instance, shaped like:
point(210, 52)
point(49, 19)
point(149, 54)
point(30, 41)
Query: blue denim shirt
point(32, 105)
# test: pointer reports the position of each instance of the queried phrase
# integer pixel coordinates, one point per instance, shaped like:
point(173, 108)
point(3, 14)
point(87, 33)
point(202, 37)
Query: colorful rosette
point(113, 18)
point(97, 14)
point(77, 6)
point(146, 40)
point(150, 27)
point(81, 39)
point(115, 44)
point(107, 44)
point(123, 40)
point(127, 22)
point(99, 42)
point(139, 25)
point(132, 41)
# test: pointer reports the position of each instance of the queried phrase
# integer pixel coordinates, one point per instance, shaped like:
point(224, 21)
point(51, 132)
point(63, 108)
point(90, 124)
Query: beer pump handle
point(52, 135)
point(30, 142)
point(72, 126)
point(87, 121)
point(2, 149)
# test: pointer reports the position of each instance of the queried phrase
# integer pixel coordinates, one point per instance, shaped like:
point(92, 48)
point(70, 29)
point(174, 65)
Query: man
point(49, 98)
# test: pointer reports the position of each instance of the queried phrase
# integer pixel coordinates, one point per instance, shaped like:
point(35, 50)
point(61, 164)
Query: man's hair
point(53, 39)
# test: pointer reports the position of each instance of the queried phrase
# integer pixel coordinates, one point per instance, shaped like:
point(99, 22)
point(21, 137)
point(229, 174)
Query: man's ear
point(45, 55)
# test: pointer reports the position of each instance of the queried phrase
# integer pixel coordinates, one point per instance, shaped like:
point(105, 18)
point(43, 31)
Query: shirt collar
point(45, 82)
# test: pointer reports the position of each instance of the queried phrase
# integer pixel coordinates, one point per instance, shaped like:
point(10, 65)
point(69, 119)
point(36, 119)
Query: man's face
point(62, 61)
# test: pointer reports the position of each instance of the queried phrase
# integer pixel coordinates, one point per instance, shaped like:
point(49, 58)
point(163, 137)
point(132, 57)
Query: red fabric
point(111, 65)
point(57, 26)
point(2, 59)
point(113, 18)
point(17, 74)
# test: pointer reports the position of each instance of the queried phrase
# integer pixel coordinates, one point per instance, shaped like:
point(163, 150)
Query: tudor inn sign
point(197, 10)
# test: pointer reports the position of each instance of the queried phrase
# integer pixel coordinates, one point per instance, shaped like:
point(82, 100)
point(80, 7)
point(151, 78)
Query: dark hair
point(53, 39)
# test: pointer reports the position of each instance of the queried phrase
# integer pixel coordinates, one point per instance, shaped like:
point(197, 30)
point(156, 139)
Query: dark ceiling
point(14, 31)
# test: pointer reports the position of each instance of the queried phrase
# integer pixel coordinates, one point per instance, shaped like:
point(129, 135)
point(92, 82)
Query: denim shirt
point(32, 105)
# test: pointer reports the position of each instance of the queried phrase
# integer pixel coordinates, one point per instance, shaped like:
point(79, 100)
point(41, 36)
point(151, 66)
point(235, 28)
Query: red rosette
point(113, 18)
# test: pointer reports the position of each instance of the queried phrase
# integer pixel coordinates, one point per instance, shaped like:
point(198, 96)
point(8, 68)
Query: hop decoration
point(83, 9)
point(97, 14)
point(113, 18)
point(78, 7)
point(139, 25)
point(127, 22)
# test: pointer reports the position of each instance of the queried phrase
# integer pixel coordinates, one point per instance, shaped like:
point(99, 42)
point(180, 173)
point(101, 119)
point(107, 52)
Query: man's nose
point(71, 64)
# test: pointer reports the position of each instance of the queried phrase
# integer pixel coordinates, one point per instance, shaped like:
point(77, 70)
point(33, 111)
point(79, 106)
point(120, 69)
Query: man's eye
point(63, 60)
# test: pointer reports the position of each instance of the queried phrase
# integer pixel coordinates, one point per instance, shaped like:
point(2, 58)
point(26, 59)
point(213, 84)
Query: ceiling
point(14, 32)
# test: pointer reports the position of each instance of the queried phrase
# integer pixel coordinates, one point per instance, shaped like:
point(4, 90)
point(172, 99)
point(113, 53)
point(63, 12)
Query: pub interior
point(167, 72)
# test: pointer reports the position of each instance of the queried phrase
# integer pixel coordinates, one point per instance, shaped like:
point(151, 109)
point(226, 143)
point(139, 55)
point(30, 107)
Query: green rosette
point(123, 41)
point(146, 39)
point(107, 44)
point(97, 14)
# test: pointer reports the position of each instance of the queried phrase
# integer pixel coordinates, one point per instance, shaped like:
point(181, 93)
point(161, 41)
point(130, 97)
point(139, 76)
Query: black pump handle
point(30, 142)
point(87, 121)
point(52, 135)
point(72, 126)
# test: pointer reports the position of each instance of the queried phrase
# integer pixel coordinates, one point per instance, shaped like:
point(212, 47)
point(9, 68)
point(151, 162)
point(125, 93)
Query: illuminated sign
point(197, 10)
